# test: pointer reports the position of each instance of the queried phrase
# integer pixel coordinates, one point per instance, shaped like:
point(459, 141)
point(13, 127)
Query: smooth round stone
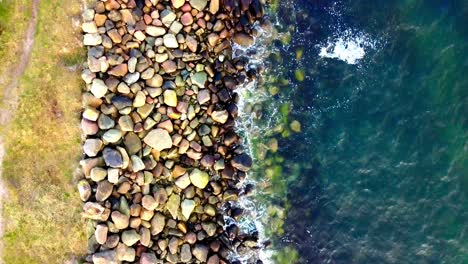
point(147, 74)
point(89, 127)
point(121, 221)
point(112, 136)
point(155, 31)
point(243, 39)
point(210, 228)
point(101, 234)
point(112, 158)
point(186, 19)
point(89, 27)
point(91, 113)
point(167, 17)
point(103, 191)
point(132, 143)
point(170, 98)
point(158, 139)
point(98, 174)
point(198, 4)
point(130, 237)
point(199, 178)
point(156, 81)
point(149, 203)
point(105, 122)
point(132, 78)
point(132, 62)
point(170, 41)
point(178, 3)
point(187, 207)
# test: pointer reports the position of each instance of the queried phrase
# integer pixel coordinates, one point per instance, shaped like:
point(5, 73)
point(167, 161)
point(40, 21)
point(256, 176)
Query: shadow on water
point(383, 153)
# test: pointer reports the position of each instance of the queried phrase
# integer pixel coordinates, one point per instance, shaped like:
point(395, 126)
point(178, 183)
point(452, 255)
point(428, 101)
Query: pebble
point(89, 27)
point(112, 157)
point(148, 258)
point(199, 178)
point(198, 4)
point(101, 234)
point(93, 39)
point(200, 252)
point(167, 17)
point(187, 207)
point(92, 146)
point(89, 127)
point(242, 162)
point(121, 221)
point(112, 136)
point(243, 39)
point(84, 189)
point(158, 139)
point(103, 191)
point(157, 224)
point(98, 88)
point(178, 3)
point(130, 237)
point(173, 204)
point(220, 116)
point(185, 253)
point(170, 41)
point(155, 31)
point(105, 257)
point(170, 98)
point(199, 79)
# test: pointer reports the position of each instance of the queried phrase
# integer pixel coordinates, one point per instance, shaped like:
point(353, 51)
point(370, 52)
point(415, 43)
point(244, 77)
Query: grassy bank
point(14, 18)
point(43, 223)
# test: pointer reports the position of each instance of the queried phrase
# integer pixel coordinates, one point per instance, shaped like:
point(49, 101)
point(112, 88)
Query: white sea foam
point(348, 46)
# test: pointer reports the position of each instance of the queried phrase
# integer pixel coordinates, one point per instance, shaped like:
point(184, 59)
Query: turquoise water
point(381, 166)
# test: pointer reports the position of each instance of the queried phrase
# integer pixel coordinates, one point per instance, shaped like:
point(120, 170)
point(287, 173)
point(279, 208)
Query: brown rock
point(119, 70)
point(243, 39)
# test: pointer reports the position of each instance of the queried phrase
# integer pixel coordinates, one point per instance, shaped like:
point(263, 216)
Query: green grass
point(42, 212)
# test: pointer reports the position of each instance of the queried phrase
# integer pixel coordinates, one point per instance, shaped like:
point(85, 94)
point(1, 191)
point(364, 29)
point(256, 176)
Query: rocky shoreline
point(163, 165)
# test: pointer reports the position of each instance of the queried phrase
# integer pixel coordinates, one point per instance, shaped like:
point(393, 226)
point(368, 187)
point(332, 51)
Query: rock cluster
point(163, 164)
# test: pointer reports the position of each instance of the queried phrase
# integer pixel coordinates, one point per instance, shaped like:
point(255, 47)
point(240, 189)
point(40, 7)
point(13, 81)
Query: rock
point(155, 31)
point(186, 19)
point(112, 136)
point(112, 158)
point(213, 260)
point(173, 204)
point(167, 17)
point(93, 39)
point(176, 27)
point(198, 4)
point(214, 6)
point(105, 257)
point(119, 70)
point(98, 88)
point(120, 220)
point(183, 181)
point(125, 253)
point(170, 41)
point(199, 79)
point(130, 237)
point(127, 17)
point(121, 102)
point(192, 43)
point(243, 39)
point(103, 191)
point(200, 252)
point(187, 207)
point(169, 66)
point(149, 203)
point(158, 139)
point(199, 178)
point(137, 163)
point(91, 113)
point(145, 237)
point(84, 189)
point(132, 78)
point(132, 143)
point(178, 3)
point(185, 253)
point(95, 211)
point(148, 258)
point(295, 126)
point(100, 19)
point(210, 228)
point(89, 27)
point(220, 116)
point(173, 245)
point(213, 39)
point(203, 96)
point(101, 234)
point(89, 127)
point(157, 224)
point(92, 147)
point(126, 123)
point(98, 174)
point(242, 162)
point(105, 122)
point(170, 98)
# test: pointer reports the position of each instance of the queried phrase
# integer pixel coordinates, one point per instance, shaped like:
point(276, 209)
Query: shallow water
point(381, 166)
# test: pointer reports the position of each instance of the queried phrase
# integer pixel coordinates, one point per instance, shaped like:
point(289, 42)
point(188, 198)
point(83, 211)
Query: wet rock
point(242, 162)
point(158, 139)
point(243, 39)
point(155, 31)
point(200, 252)
point(149, 203)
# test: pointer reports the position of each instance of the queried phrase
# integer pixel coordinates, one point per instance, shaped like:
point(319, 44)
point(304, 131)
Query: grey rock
point(112, 158)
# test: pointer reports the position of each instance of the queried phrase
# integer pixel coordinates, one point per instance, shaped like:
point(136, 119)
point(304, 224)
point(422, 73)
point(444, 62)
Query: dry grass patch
point(14, 18)
point(43, 222)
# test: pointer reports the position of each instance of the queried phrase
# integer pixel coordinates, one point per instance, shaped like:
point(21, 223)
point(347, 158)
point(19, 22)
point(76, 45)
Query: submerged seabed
point(378, 172)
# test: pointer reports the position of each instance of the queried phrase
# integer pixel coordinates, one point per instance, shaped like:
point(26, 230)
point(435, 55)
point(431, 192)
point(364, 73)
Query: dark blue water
point(381, 164)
